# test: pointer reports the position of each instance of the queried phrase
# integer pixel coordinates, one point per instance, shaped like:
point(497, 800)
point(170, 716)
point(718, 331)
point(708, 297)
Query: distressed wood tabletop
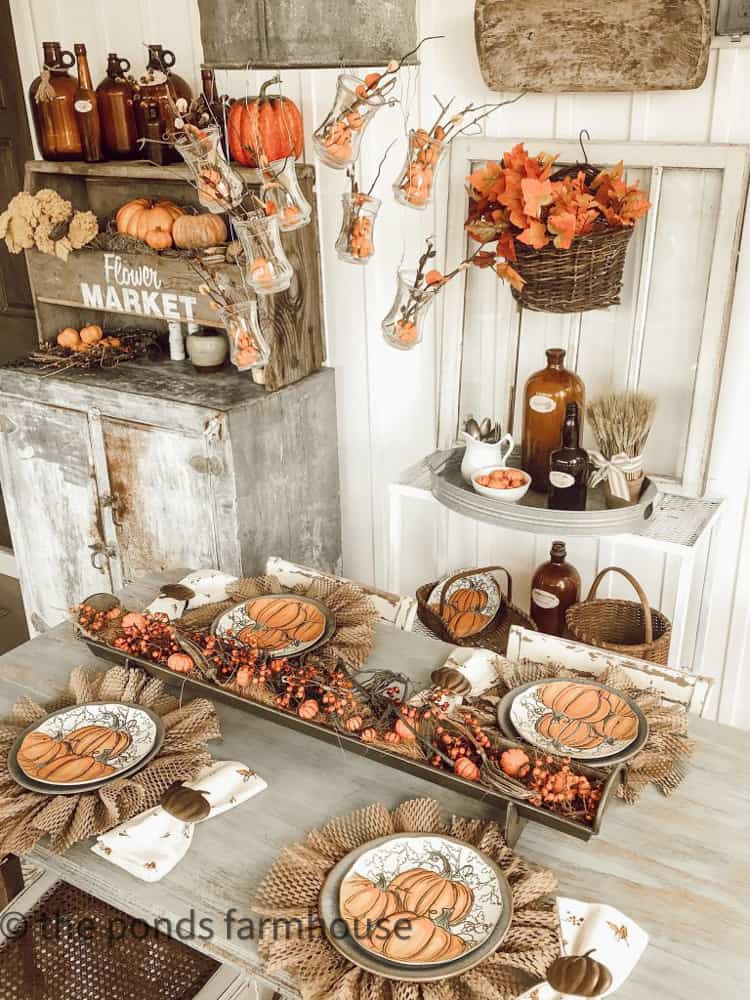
point(680, 867)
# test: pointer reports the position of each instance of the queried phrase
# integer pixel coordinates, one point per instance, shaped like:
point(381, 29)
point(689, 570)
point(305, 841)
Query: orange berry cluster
point(555, 783)
point(93, 620)
point(149, 636)
point(234, 661)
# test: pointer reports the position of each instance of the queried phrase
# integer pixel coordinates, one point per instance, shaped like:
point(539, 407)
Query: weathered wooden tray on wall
point(305, 33)
point(549, 46)
point(89, 287)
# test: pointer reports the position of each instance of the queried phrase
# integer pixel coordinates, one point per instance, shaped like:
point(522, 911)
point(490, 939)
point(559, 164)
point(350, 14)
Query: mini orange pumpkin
point(404, 732)
point(134, 620)
point(158, 239)
point(515, 762)
point(308, 709)
point(91, 334)
point(68, 337)
point(140, 217)
point(368, 735)
point(467, 769)
point(353, 723)
point(194, 232)
point(181, 663)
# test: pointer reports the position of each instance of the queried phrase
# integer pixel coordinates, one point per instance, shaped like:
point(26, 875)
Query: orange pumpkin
point(68, 337)
point(134, 620)
point(409, 937)
point(91, 334)
point(430, 894)
point(266, 127)
point(99, 739)
point(193, 232)
point(466, 623)
point(353, 723)
point(71, 769)
point(268, 638)
point(361, 899)
point(38, 749)
point(466, 599)
point(181, 663)
point(515, 762)
point(308, 632)
point(308, 709)
point(140, 217)
point(618, 705)
point(368, 735)
point(404, 732)
point(618, 727)
point(577, 701)
point(467, 769)
point(158, 239)
point(280, 612)
point(573, 733)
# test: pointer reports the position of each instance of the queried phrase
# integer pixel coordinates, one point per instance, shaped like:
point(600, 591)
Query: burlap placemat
point(26, 817)
point(355, 615)
point(662, 761)
point(292, 888)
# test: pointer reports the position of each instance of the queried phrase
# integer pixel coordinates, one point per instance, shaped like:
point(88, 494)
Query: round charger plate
point(143, 728)
point(521, 710)
point(483, 928)
point(297, 624)
point(485, 583)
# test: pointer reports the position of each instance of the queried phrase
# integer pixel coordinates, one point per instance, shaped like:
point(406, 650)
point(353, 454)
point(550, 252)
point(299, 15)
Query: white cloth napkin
point(209, 586)
point(618, 942)
point(150, 845)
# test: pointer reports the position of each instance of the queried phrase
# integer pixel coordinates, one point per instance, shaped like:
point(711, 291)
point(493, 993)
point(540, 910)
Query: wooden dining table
point(678, 866)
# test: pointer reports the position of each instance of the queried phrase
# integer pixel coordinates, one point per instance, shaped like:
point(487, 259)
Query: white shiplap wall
point(387, 399)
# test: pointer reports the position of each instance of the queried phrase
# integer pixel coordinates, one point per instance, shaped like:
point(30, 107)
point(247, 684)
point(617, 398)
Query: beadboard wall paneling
point(387, 399)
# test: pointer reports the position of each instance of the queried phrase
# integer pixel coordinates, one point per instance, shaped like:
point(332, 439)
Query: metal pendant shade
point(305, 33)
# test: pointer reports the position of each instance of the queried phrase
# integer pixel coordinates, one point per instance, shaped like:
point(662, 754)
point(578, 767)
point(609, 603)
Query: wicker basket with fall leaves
point(462, 625)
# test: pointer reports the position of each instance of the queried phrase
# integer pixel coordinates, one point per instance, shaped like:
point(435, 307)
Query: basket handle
point(471, 572)
point(647, 620)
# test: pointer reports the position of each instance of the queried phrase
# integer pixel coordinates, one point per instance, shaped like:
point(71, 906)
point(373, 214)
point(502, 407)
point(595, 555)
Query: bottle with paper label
point(569, 467)
point(87, 109)
point(546, 395)
point(555, 586)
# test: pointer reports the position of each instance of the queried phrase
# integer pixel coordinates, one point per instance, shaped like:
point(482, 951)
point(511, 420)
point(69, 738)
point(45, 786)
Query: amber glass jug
point(159, 86)
point(52, 96)
point(115, 95)
point(555, 586)
point(546, 395)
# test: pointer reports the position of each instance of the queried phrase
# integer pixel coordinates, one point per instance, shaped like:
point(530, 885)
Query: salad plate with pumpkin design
point(420, 907)
point(471, 603)
point(578, 718)
point(277, 624)
point(80, 748)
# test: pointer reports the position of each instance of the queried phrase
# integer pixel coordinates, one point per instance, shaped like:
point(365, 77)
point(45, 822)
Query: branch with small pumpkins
point(519, 199)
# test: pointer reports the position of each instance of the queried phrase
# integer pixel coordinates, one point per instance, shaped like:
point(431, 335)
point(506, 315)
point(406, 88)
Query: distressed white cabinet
point(150, 466)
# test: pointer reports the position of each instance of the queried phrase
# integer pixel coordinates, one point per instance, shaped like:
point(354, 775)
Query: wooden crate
point(96, 286)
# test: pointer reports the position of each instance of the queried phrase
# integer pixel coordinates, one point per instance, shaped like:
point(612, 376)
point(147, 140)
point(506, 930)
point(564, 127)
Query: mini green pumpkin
point(188, 804)
point(579, 975)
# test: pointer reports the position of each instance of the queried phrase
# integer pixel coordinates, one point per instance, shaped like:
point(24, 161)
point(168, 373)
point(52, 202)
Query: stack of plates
point(416, 907)
point(278, 624)
point(580, 719)
point(81, 748)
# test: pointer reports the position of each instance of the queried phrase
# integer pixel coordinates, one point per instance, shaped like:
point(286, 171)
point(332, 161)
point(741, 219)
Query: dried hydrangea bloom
point(51, 204)
point(24, 206)
point(18, 234)
point(63, 248)
point(42, 238)
point(83, 228)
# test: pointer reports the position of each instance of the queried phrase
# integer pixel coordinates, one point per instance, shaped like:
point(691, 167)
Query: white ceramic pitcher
point(480, 454)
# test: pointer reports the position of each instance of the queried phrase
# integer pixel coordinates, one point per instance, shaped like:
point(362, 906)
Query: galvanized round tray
point(508, 728)
point(531, 513)
point(346, 944)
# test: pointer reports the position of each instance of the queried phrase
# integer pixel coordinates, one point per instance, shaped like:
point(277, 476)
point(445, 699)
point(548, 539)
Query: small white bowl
point(504, 496)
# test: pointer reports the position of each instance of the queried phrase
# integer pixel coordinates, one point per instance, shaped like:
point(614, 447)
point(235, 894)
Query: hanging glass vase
point(416, 181)
point(248, 348)
point(281, 190)
point(403, 326)
point(219, 187)
point(338, 138)
point(268, 269)
point(355, 242)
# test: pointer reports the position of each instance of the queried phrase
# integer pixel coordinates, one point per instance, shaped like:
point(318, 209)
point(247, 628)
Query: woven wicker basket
point(495, 634)
point(627, 627)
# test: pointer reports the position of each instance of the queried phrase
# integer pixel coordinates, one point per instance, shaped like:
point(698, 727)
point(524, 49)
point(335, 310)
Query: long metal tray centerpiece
point(531, 512)
point(516, 812)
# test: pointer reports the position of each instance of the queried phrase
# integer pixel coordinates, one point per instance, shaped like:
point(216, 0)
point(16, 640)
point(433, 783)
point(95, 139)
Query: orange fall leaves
point(516, 200)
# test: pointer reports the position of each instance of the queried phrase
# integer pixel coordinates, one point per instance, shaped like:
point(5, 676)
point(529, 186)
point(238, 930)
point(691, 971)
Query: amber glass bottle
point(87, 109)
point(569, 467)
point(116, 110)
point(546, 395)
point(53, 106)
point(555, 586)
point(159, 86)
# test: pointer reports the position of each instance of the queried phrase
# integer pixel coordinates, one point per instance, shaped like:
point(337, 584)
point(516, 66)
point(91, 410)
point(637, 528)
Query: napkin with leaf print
point(150, 845)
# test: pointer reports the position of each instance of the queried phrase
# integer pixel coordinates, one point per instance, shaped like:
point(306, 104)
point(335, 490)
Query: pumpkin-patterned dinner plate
point(582, 719)
point(417, 907)
point(85, 746)
point(278, 624)
point(471, 603)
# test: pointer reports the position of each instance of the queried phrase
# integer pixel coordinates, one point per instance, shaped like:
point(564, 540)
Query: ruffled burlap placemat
point(26, 817)
point(292, 889)
point(663, 759)
point(355, 615)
